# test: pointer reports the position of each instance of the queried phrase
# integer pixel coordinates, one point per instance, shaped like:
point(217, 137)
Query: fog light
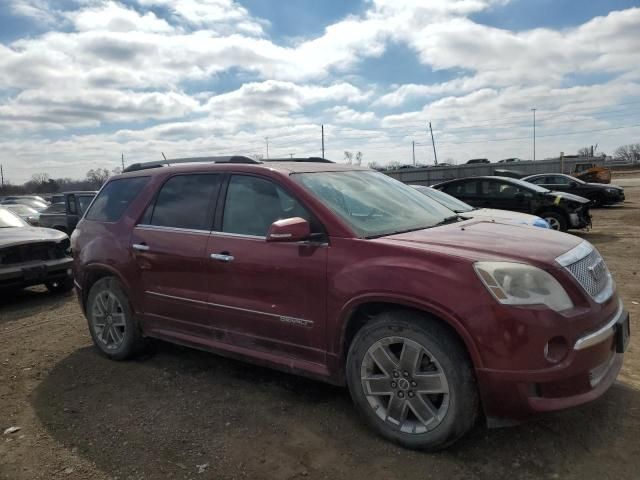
point(556, 349)
point(69, 272)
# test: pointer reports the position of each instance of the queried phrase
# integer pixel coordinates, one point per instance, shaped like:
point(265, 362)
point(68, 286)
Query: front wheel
point(60, 286)
point(555, 220)
point(412, 380)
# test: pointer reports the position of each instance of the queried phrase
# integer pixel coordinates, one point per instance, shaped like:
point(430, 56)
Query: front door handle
point(141, 247)
point(222, 257)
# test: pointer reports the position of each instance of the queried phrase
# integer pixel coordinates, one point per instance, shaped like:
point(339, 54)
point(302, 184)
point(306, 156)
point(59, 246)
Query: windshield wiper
point(451, 219)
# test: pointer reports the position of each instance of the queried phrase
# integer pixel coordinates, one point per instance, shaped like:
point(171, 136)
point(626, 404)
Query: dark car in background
point(64, 216)
point(561, 210)
point(477, 160)
point(33, 256)
point(599, 193)
point(343, 274)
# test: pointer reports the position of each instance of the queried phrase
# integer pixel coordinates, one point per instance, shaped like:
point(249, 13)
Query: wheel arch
point(359, 312)
point(94, 272)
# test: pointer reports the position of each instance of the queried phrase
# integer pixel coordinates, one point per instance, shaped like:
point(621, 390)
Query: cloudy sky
point(84, 81)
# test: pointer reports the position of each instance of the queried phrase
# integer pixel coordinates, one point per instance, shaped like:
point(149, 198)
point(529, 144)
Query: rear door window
point(114, 198)
point(185, 201)
point(462, 189)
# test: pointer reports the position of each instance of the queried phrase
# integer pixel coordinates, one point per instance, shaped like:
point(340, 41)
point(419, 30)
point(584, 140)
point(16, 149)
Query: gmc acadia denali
point(345, 275)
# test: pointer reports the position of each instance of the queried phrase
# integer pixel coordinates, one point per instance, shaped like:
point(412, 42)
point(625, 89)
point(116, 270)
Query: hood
point(569, 196)
point(23, 235)
point(481, 240)
point(493, 213)
point(602, 185)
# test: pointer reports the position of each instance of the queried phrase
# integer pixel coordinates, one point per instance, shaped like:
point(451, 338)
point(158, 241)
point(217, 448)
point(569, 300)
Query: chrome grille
point(591, 273)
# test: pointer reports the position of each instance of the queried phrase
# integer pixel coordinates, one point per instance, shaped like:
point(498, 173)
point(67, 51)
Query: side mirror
point(573, 184)
point(294, 229)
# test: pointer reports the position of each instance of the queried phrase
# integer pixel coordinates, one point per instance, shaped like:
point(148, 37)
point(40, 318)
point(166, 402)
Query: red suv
point(345, 275)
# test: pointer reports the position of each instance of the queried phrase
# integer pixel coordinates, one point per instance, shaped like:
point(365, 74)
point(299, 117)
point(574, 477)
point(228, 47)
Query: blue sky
point(83, 81)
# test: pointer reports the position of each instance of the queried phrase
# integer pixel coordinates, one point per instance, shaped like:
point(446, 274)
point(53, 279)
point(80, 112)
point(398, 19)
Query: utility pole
point(267, 140)
point(2, 176)
point(322, 141)
point(435, 155)
point(413, 149)
point(534, 133)
point(122, 158)
point(291, 155)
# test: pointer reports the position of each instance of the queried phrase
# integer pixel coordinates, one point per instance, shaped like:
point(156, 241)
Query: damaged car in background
point(33, 256)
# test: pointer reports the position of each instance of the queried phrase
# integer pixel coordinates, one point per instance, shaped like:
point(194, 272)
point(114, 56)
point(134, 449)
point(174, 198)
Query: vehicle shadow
point(18, 304)
point(165, 414)
point(595, 237)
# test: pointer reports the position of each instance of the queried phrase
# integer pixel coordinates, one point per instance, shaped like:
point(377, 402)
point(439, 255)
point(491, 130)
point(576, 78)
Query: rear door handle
point(222, 257)
point(141, 247)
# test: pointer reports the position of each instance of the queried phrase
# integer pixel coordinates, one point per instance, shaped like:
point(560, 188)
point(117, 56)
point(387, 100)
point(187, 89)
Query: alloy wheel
point(553, 223)
point(405, 385)
point(108, 320)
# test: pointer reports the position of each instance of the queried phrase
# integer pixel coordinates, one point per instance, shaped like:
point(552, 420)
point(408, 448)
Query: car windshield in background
point(9, 219)
point(372, 203)
point(22, 209)
point(452, 203)
point(529, 186)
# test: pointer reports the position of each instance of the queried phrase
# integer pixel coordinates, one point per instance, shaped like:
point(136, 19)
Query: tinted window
point(497, 189)
point(539, 180)
point(253, 204)
point(184, 201)
point(114, 198)
point(462, 188)
point(84, 201)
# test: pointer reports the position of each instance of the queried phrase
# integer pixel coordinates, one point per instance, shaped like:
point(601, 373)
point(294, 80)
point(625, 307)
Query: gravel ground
point(179, 413)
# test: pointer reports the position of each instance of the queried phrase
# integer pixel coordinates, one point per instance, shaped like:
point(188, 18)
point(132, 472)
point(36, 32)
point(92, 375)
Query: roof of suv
point(286, 166)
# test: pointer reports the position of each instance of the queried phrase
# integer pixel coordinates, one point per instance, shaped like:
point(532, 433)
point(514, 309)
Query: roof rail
point(298, 159)
point(171, 161)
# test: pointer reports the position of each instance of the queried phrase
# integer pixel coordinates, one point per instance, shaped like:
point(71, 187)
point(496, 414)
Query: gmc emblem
point(597, 269)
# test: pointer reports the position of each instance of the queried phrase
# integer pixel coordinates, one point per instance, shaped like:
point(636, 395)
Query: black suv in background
point(562, 210)
point(600, 194)
point(65, 215)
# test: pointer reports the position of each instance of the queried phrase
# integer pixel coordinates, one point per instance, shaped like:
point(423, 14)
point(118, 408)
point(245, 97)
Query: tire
point(112, 324)
point(60, 286)
point(556, 220)
point(443, 366)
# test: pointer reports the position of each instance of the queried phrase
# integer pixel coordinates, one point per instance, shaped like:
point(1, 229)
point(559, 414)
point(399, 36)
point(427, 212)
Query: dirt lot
point(187, 414)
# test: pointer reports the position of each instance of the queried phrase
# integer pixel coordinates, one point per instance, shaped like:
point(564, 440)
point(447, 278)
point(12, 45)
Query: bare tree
point(628, 153)
point(97, 177)
point(358, 158)
point(584, 152)
point(348, 157)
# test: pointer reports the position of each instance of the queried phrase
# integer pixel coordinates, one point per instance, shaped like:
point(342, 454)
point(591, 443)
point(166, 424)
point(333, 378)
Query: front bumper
point(35, 273)
point(614, 197)
point(580, 219)
point(587, 372)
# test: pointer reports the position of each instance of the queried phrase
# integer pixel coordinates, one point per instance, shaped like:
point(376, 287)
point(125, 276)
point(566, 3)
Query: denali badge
point(597, 269)
point(297, 321)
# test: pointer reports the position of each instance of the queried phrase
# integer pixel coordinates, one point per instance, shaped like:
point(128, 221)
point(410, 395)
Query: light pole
point(534, 133)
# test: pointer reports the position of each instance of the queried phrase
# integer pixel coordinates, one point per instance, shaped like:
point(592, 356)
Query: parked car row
point(62, 214)
point(432, 313)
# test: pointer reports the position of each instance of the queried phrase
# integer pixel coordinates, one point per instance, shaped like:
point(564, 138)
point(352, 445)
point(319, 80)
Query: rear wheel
point(412, 380)
point(112, 325)
point(556, 221)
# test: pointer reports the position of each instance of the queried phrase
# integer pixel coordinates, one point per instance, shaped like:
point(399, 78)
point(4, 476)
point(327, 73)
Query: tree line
point(43, 183)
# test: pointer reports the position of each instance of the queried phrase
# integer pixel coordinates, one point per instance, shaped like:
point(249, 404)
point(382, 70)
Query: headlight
point(522, 284)
point(612, 190)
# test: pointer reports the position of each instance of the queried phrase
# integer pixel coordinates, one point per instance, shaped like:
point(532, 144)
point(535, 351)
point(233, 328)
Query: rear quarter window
point(115, 198)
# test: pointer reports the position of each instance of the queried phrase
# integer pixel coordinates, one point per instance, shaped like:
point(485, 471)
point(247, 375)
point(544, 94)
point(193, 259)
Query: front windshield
point(22, 209)
point(527, 185)
point(452, 203)
point(9, 219)
point(372, 203)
